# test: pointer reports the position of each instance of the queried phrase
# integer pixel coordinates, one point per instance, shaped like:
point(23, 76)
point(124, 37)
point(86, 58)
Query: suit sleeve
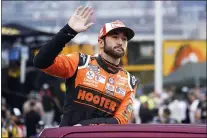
point(48, 52)
point(124, 112)
point(64, 66)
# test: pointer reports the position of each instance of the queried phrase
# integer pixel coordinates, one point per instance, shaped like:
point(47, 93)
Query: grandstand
point(182, 19)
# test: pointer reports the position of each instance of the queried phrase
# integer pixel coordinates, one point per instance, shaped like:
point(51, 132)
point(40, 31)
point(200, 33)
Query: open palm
point(79, 21)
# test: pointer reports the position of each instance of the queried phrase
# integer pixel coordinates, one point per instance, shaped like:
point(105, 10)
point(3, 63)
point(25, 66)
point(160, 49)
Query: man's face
point(115, 44)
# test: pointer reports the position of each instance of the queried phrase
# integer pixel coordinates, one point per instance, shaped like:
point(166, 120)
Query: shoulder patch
point(133, 81)
point(83, 60)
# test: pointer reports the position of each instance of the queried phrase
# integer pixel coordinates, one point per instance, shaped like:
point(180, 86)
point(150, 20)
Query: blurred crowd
point(43, 110)
point(187, 106)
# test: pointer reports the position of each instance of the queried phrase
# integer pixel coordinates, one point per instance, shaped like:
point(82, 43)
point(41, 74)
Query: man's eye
point(124, 39)
point(114, 36)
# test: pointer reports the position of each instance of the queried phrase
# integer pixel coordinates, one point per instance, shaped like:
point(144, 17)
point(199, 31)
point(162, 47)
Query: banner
point(180, 52)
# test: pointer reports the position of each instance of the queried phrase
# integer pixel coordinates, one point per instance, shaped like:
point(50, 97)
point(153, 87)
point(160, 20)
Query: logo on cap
point(117, 24)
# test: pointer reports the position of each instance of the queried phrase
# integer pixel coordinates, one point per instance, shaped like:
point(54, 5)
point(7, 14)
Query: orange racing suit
point(97, 92)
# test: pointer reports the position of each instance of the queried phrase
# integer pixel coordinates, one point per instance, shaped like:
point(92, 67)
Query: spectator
point(203, 106)
point(48, 105)
point(194, 113)
point(165, 118)
point(32, 117)
point(177, 108)
point(145, 113)
point(33, 97)
point(14, 126)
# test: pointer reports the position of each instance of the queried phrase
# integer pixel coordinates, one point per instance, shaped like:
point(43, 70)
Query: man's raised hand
point(80, 20)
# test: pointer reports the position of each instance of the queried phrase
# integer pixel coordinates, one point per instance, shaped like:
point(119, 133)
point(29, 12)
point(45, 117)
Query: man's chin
point(117, 55)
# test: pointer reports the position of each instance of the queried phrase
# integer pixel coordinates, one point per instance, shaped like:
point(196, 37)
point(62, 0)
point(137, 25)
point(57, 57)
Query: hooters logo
point(97, 101)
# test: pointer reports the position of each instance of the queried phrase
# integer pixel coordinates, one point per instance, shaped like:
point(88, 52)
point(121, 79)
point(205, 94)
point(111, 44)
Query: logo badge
point(122, 79)
point(94, 68)
point(111, 80)
point(83, 57)
point(109, 87)
point(120, 91)
point(90, 75)
point(133, 80)
point(100, 78)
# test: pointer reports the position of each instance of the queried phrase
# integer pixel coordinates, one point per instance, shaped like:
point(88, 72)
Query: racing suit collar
point(107, 66)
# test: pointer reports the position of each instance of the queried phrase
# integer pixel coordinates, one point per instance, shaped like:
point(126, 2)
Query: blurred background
point(32, 100)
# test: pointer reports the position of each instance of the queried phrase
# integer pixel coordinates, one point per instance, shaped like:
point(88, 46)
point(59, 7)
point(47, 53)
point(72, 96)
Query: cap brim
point(129, 32)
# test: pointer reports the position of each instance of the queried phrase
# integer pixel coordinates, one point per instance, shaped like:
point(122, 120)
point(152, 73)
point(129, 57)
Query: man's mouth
point(119, 48)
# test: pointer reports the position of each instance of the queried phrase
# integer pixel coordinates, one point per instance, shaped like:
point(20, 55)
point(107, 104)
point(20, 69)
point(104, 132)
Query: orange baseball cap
point(116, 25)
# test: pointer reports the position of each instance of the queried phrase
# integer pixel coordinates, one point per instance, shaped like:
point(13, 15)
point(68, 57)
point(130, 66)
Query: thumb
point(89, 25)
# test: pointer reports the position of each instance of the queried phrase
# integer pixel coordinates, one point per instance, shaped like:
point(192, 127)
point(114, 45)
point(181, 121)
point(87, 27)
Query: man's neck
point(110, 59)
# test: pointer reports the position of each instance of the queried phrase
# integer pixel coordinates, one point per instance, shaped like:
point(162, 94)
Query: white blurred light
point(185, 89)
point(17, 112)
point(45, 86)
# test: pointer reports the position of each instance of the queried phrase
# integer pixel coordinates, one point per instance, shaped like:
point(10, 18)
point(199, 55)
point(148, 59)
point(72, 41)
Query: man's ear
point(101, 43)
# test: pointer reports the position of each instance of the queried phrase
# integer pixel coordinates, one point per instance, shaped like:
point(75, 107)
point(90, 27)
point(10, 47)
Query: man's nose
point(119, 41)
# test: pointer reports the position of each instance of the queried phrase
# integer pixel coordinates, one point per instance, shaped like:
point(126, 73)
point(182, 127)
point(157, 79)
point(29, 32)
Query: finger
point(89, 25)
point(83, 11)
point(87, 12)
point(78, 10)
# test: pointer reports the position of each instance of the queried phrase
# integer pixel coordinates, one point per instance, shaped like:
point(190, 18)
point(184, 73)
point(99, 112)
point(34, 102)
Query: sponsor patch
point(90, 82)
point(134, 80)
point(100, 78)
point(129, 108)
point(94, 68)
point(109, 87)
point(83, 57)
point(128, 111)
point(90, 75)
point(111, 80)
point(109, 92)
point(121, 79)
point(120, 91)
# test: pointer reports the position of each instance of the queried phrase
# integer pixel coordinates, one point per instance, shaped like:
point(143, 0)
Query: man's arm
point(47, 54)
point(47, 58)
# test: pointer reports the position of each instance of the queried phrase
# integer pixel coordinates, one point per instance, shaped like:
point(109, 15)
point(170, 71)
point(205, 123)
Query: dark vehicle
point(128, 131)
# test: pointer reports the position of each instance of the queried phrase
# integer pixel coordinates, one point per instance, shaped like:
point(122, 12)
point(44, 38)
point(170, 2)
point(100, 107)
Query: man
point(98, 90)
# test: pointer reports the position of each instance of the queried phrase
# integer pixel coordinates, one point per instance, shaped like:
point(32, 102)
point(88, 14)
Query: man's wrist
point(69, 31)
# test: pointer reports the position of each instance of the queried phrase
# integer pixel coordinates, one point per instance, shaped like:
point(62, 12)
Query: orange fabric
point(93, 91)
point(124, 112)
point(64, 66)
